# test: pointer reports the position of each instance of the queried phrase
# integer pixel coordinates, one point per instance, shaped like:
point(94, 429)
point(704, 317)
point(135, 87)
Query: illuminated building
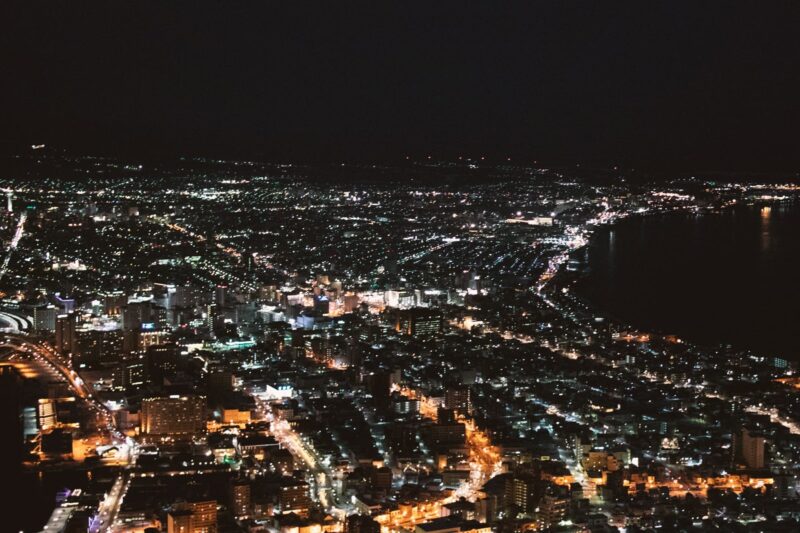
point(44, 317)
point(130, 374)
point(113, 303)
point(258, 445)
point(46, 414)
point(445, 434)
point(162, 361)
point(150, 336)
point(552, 509)
point(187, 296)
point(522, 492)
point(204, 516)
point(215, 318)
point(460, 399)
point(748, 447)
point(293, 496)
point(193, 517)
point(54, 412)
point(419, 322)
point(99, 346)
point(404, 405)
point(66, 339)
point(221, 295)
point(136, 313)
point(173, 416)
point(240, 498)
point(351, 302)
point(463, 509)
point(179, 521)
point(235, 416)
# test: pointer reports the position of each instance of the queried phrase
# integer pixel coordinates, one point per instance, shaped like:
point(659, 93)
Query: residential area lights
point(242, 347)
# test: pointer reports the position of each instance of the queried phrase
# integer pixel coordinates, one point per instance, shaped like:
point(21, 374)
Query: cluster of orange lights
point(406, 516)
point(791, 382)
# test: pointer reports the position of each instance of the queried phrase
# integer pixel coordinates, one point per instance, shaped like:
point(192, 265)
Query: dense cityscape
point(233, 346)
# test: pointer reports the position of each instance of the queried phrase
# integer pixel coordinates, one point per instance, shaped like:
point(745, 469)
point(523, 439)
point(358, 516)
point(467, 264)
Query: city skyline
point(234, 345)
point(439, 267)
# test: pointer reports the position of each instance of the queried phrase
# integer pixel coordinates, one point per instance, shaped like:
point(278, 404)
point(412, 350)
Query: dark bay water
point(730, 278)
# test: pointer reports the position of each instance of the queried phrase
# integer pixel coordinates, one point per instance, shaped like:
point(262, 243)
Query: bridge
point(40, 352)
point(11, 323)
point(27, 351)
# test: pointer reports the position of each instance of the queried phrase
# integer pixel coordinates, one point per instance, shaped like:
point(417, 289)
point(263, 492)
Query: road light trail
point(48, 355)
point(14, 242)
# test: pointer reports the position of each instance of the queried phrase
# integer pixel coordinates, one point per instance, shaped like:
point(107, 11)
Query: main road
point(47, 356)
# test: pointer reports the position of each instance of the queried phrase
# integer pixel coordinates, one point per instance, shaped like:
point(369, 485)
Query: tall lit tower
point(9, 197)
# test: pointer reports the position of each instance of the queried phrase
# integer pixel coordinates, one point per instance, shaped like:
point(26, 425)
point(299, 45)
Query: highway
point(321, 476)
point(14, 241)
point(108, 509)
point(49, 359)
point(47, 356)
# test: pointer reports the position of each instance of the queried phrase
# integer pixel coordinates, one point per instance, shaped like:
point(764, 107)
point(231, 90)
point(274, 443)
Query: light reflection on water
point(718, 278)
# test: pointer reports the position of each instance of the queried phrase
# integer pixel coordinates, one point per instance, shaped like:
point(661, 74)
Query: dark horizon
point(661, 86)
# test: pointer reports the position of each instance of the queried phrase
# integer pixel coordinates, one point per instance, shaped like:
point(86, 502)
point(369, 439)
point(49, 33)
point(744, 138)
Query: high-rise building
point(176, 416)
point(215, 318)
point(552, 509)
point(379, 384)
point(136, 313)
point(162, 361)
point(99, 346)
point(66, 339)
point(130, 374)
point(113, 303)
point(293, 496)
point(221, 295)
point(46, 414)
point(220, 381)
point(187, 296)
point(381, 478)
point(521, 491)
point(204, 516)
point(44, 317)
point(419, 322)
point(445, 434)
point(748, 447)
point(240, 498)
point(459, 398)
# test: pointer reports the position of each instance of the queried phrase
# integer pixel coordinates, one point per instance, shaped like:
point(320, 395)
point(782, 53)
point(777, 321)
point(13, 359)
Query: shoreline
point(572, 281)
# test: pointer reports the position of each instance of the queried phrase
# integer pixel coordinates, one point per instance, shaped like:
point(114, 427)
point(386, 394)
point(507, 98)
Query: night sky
point(655, 84)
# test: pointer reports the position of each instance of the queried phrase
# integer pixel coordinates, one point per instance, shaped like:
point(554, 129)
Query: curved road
point(47, 355)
